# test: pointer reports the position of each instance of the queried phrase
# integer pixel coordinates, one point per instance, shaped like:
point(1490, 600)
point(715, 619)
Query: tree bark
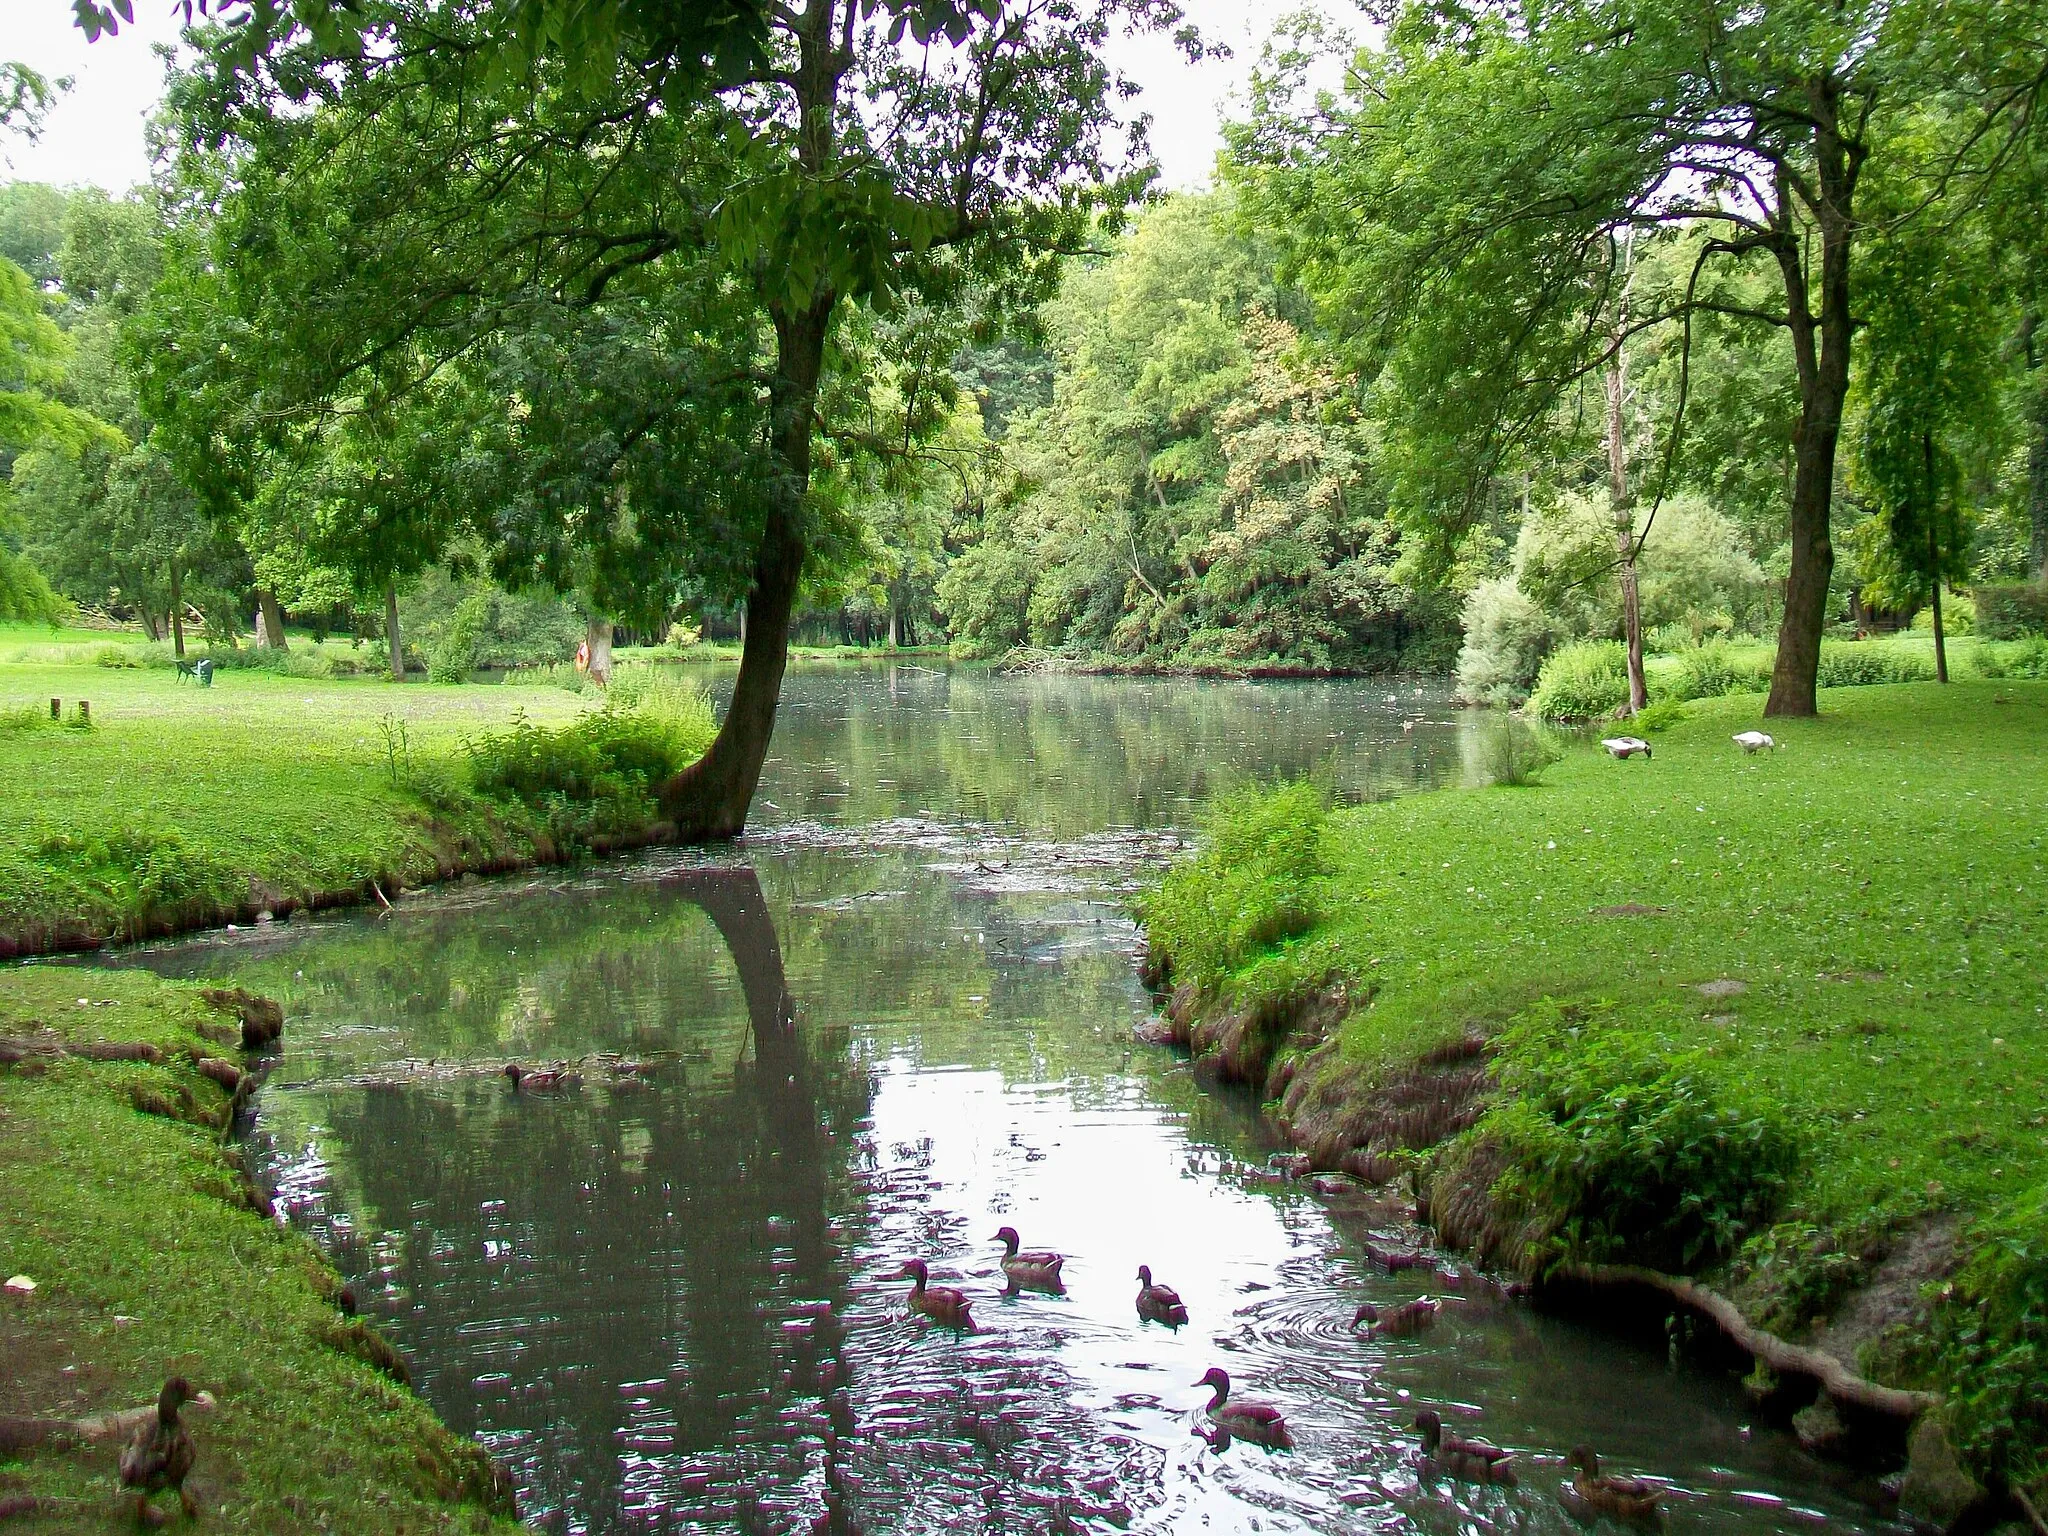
point(895, 628)
point(1625, 531)
point(391, 631)
point(597, 635)
point(2037, 487)
point(177, 611)
point(1934, 561)
point(270, 621)
point(1820, 345)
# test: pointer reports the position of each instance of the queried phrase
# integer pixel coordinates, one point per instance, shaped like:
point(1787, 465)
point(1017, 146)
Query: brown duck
point(559, 1076)
point(1397, 1322)
point(941, 1303)
point(1259, 1423)
point(1592, 1492)
point(161, 1454)
point(1159, 1303)
point(1473, 1461)
point(1032, 1270)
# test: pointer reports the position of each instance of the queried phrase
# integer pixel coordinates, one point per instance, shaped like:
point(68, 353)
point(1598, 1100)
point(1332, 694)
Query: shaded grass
point(149, 1260)
point(1878, 889)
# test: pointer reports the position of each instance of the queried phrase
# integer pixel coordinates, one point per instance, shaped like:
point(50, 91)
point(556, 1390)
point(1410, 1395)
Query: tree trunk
point(895, 628)
point(1820, 345)
point(270, 621)
point(597, 635)
point(2037, 487)
point(1624, 531)
point(149, 624)
point(709, 800)
point(177, 611)
point(391, 631)
point(1934, 561)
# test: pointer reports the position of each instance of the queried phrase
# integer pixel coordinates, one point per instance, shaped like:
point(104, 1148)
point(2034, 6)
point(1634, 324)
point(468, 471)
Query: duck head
point(913, 1269)
point(1432, 1428)
point(1145, 1275)
point(1007, 1236)
point(176, 1393)
point(515, 1072)
point(1582, 1457)
point(1367, 1313)
point(1217, 1380)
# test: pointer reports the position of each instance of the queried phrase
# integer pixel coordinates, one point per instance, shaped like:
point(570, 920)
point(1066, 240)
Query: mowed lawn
point(282, 779)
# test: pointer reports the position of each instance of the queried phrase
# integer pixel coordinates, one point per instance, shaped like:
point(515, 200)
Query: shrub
point(1506, 639)
point(1957, 617)
point(553, 674)
point(2012, 612)
point(2026, 658)
point(1713, 670)
point(1659, 715)
point(1257, 883)
point(1858, 664)
point(455, 642)
point(1517, 752)
point(117, 656)
point(1581, 681)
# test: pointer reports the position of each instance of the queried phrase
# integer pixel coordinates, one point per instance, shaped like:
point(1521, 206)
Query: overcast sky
point(95, 135)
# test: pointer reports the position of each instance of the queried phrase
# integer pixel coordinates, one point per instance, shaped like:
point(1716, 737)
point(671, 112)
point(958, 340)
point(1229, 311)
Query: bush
point(1517, 752)
point(117, 656)
point(1581, 681)
point(1957, 617)
point(1859, 664)
point(553, 674)
point(1506, 639)
point(455, 642)
point(1257, 883)
point(2027, 659)
point(1714, 670)
point(2012, 612)
point(1659, 715)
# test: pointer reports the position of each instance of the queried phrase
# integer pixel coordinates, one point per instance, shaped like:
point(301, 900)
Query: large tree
point(1456, 207)
point(378, 218)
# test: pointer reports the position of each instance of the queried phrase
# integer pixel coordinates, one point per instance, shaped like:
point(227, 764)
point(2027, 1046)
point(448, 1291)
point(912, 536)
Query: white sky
point(95, 134)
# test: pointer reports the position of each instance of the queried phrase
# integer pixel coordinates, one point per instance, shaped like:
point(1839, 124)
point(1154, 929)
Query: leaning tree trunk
point(597, 635)
point(270, 621)
point(1625, 532)
point(1820, 345)
point(391, 631)
point(177, 611)
point(709, 800)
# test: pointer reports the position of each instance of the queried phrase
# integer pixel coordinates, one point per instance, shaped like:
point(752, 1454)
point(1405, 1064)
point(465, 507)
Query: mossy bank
point(124, 1201)
point(1777, 1022)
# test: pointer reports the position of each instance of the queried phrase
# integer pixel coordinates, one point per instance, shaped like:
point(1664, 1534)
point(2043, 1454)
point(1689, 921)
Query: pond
point(897, 1017)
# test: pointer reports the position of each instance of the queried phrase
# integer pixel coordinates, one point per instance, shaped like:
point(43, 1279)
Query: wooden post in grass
point(56, 709)
point(85, 711)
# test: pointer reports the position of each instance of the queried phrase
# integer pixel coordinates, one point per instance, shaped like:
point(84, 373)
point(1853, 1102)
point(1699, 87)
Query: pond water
point(896, 1018)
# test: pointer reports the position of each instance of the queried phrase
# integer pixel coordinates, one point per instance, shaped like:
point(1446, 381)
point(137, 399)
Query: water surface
point(897, 1017)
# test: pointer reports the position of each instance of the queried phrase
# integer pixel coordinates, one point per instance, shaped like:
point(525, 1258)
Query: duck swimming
point(1591, 1493)
point(1395, 1322)
point(1159, 1303)
point(161, 1454)
point(941, 1303)
point(1473, 1461)
point(1037, 1270)
point(1257, 1422)
point(528, 1080)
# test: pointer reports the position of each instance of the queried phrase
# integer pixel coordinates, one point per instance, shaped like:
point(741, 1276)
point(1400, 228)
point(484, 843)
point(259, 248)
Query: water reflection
point(664, 1297)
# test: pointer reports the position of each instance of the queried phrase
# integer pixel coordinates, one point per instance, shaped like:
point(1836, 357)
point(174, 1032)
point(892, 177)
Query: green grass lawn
point(183, 793)
point(1867, 909)
point(148, 1260)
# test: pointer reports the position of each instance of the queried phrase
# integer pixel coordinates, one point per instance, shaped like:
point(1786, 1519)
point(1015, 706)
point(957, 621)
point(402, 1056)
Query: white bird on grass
point(1625, 746)
point(1754, 741)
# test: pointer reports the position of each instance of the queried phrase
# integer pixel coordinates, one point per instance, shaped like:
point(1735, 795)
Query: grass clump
point(2025, 659)
point(1257, 883)
point(1581, 681)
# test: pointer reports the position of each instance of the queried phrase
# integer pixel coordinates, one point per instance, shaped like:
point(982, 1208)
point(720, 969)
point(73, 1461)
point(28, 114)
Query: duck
point(161, 1454)
point(1473, 1461)
point(941, 1303)
point(1626, 746)
point(1753, 741)
point(1394, 1260)
point(1037, 1270)
point(528, 1080)
point(1260, 1423)
point(1591, 1492)
point(1395, 1322)
point(1159, 1303)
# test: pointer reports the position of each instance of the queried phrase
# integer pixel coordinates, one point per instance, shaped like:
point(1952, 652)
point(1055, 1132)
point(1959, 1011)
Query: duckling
point(1473, 1461)
point(1395, 1322)
point(1159, 1303)
point(161, 1454)
point(1620, 747)
point(1260, 1423)
point(1591, 1493)
point(527, 1080)
point(941, 1303)
point(1037, 1270)
point(1753, 741)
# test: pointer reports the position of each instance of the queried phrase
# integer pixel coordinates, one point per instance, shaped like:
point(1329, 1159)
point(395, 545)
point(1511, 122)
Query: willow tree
point(371, 219)
point(1453, 209)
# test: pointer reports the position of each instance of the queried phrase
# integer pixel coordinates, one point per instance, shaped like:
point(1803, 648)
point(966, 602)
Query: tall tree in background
point(1451, 210)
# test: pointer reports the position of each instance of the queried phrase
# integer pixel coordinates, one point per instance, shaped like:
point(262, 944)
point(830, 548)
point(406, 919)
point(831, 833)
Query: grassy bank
point(121, 1199)
point(1780, 1021)
point(182, 805)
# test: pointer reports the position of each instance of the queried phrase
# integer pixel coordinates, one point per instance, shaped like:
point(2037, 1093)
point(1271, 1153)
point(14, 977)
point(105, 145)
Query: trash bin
point(205, 671)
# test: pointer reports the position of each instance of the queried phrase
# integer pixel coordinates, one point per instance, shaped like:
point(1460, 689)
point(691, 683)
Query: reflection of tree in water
point(646, 1330)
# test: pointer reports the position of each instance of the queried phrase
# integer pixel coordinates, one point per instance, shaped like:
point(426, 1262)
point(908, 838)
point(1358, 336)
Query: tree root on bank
point(1840, 1383)
point(20, 1434)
